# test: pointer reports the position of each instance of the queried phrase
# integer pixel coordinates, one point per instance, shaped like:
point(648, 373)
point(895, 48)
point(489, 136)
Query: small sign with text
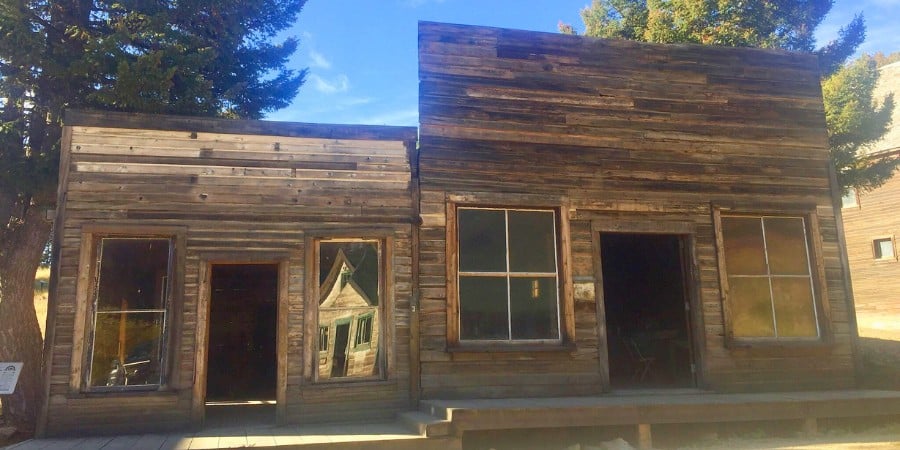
point(9, 376)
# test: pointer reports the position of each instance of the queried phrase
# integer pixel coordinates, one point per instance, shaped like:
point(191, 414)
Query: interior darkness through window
point(646, 320)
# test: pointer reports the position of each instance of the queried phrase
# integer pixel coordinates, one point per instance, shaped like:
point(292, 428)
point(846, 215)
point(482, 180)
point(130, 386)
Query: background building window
point(850, 199)
point(131, 299)
point(884, 248)
point(770, 287)
point(508, 279)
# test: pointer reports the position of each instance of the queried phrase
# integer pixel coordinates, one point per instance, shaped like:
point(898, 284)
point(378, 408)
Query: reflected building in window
point(348, 310)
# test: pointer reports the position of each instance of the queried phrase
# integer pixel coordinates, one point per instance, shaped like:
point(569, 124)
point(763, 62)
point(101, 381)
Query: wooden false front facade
point(580, 216)
point(625, 141)
point(248, 207)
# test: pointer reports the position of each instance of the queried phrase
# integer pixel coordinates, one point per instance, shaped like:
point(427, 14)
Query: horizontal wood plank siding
point(624, 132)
point(239, 196)
point(875, 281)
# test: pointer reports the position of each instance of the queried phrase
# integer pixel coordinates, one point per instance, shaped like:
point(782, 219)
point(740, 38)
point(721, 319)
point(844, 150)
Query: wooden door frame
point(686, 233)
point(204, 296)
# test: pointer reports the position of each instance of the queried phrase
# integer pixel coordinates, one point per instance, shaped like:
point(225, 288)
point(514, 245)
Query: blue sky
point(362, 54)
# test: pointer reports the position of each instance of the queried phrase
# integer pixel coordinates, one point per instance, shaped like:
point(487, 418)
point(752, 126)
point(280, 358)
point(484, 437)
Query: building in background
point(872, 226)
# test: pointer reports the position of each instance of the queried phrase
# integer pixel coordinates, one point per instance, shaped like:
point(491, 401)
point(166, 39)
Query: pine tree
point(854, 122)
point(854, 118)
point(197, 57)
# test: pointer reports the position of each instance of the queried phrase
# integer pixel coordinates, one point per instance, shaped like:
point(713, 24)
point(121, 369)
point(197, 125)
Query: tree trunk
point(21, 245)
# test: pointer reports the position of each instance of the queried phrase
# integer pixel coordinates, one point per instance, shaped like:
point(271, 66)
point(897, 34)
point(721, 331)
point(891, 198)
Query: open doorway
point(242, 364)
point(646, 304)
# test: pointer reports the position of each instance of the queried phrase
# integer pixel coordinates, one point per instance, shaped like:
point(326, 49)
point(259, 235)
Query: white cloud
point(319, 60)
point(338, 84)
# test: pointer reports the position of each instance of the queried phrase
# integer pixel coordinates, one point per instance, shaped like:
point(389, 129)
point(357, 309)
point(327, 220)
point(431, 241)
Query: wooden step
point(425, 424)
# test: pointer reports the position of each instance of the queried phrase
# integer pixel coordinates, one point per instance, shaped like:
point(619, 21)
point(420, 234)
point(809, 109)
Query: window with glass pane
point(850, 199)
point(349, 309)
point(508, 280)
point(770, 285)
point(130, 306)
point(884, 248)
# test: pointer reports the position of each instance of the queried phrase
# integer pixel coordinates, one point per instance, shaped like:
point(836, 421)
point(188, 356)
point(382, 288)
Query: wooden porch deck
point(646, 408)
point(440, 424)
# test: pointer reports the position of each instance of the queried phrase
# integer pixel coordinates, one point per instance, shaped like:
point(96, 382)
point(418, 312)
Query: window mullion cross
point(762, 222)
point(508, 281)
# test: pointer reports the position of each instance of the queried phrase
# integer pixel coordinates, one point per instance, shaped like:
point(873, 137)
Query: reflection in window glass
point(349, 290)
point(483, 309)
point(131, 297)
point(323, 339)
point(516, 295)
point(770, 293)
point(482, 240)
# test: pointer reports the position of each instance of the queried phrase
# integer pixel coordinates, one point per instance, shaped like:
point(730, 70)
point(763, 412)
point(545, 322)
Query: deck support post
point(645, 438)
point(810, 427)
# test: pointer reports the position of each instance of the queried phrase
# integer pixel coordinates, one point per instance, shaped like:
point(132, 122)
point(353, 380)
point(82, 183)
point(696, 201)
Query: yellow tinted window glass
point(786, 245)
point(744, 248)
point(751, 309)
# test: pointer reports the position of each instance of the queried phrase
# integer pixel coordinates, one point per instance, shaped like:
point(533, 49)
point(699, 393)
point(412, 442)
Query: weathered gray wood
point(630, 137)
point(233, 192)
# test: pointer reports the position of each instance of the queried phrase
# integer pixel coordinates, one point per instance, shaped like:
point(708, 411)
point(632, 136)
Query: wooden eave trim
point(112, 119)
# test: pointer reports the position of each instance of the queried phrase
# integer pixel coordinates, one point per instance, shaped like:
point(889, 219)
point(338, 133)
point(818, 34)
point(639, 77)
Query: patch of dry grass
point(41, 288)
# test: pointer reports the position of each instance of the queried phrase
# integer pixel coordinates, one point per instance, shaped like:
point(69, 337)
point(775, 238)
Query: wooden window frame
point(881, 259)
point(86, 292)
point(385, 242)
point(816, 272)
point(565, 296)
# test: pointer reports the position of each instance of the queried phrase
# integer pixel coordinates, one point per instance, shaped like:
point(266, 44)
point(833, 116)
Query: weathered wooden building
point(690, 200)
point(579, 216)
point(192, 257)
point(871, 225)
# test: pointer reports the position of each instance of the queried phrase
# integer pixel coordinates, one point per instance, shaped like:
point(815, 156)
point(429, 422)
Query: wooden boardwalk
point(440, 424)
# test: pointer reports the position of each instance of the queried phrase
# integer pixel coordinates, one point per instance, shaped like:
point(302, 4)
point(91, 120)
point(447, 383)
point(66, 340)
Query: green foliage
point(855, 121)
point(785, 24)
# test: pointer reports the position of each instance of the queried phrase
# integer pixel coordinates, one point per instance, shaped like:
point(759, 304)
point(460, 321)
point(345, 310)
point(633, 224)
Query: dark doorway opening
point(339, 356)
point(646, 304)
point(242, 363)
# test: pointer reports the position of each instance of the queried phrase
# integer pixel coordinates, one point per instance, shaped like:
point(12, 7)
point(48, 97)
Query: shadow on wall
point(881, 363)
